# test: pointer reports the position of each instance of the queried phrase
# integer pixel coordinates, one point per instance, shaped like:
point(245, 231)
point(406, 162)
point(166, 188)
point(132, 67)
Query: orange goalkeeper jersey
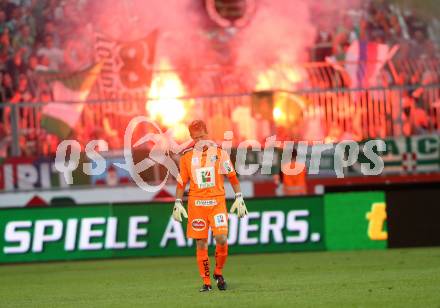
point(205, 170)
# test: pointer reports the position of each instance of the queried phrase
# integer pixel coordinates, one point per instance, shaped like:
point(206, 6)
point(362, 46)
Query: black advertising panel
point(413, 217)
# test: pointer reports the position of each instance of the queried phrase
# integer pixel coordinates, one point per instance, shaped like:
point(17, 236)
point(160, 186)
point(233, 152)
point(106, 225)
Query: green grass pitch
point(396, 277)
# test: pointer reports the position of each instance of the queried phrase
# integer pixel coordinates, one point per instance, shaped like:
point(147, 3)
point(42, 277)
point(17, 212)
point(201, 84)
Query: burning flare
point(165, 104)
point(279, 77)
point(165, 92)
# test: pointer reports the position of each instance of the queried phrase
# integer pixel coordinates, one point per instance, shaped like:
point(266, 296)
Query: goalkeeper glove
point(178, 210)
point(239, 206)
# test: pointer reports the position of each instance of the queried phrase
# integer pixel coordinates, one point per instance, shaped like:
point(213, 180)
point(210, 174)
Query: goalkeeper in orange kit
point(203, 166)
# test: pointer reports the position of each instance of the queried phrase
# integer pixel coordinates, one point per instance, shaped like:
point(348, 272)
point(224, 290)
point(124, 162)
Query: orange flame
point(282, 78)
point(279, 77)
point(165, 104)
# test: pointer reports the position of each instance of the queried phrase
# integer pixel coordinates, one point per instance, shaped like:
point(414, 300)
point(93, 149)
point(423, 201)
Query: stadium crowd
point(415, 65)
point(33, 39)
point(378, 21)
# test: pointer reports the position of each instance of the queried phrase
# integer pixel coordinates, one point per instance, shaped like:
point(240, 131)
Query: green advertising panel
point(82, 232)
point(355, 220)
point(283, 224)
point(53, 234)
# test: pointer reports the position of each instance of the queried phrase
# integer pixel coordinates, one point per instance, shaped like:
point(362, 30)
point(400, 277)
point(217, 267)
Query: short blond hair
point(197, 125)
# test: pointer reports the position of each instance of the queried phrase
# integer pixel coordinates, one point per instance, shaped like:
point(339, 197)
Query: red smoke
point(280, 31)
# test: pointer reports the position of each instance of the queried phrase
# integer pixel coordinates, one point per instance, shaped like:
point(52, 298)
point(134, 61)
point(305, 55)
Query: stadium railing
point(332, 115)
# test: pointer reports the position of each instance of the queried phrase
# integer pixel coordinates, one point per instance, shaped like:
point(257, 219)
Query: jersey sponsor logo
point(205, 177)
point(227, 166)
point(206, 202)
point(220, 220)
point(198, 224)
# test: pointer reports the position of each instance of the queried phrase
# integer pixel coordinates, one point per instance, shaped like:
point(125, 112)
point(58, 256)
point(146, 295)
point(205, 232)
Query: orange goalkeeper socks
point(203, 263)
point(221, 254)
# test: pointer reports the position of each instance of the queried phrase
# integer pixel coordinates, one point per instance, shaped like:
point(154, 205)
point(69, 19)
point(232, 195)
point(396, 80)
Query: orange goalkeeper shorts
point(205, 213)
